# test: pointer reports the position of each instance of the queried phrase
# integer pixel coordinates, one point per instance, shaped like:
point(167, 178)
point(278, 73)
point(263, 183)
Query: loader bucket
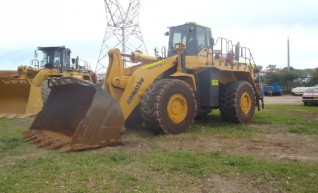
point(19, 98)
point(8, 73)
point(77, 115)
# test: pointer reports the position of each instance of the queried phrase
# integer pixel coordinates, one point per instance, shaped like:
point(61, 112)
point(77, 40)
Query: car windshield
point(312, 90)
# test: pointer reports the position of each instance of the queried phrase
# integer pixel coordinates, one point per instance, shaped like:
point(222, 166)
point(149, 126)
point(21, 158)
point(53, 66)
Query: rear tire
point(237, 102)
point(168, 106)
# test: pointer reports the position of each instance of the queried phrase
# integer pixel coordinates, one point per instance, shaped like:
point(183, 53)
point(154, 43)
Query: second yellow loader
point(23, 92)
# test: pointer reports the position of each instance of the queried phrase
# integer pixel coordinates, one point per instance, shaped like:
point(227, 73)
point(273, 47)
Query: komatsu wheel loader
point(22, 92)
point(198, 75)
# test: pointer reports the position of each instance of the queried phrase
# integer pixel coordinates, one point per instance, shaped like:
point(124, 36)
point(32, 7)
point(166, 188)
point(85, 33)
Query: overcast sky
point(261, 25)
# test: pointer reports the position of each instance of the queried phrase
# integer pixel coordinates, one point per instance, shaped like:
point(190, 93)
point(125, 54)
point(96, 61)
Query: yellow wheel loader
point(166, 94)
point(22, 92)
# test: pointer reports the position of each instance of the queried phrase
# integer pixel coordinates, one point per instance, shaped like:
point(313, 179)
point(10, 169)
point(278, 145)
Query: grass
point(146, 163)
point(298, 118)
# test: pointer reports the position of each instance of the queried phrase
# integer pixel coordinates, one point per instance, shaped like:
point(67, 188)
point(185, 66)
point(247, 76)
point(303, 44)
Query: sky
point(261, 25)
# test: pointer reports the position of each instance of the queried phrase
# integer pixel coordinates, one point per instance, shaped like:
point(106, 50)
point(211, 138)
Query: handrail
point(244, 52)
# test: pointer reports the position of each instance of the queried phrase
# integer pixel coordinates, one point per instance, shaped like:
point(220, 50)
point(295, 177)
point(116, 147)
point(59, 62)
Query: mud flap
point(19, 98)
point(77, 115)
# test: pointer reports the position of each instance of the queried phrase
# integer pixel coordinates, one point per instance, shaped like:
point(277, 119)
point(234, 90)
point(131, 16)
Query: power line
point(122, 30)
point(16, 51)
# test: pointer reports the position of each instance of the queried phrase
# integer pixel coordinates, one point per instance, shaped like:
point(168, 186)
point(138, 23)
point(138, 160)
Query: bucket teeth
point(29, 135)
point(45, 142)
point(38, 137)
point(36, 140)
point(57, 144)
point(30, 138)
point(34, 137)
point(66, 148)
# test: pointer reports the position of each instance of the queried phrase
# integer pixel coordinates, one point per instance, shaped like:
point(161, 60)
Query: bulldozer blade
point(19, 98)
point(77, 115)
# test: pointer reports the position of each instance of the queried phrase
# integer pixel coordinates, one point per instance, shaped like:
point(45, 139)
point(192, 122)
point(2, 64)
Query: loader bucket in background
point(77, 115)
point(19, 98)
point(8, 73)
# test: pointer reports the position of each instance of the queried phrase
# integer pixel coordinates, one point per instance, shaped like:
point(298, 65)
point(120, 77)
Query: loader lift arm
point(128, 89)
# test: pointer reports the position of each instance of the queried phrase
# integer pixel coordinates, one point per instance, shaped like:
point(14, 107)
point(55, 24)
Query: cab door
point(203, 45)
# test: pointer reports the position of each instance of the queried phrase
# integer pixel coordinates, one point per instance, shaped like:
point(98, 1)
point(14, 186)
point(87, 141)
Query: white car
point(300, 90)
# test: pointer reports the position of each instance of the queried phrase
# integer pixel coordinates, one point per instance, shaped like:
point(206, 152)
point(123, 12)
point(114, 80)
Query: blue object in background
point(272, 90)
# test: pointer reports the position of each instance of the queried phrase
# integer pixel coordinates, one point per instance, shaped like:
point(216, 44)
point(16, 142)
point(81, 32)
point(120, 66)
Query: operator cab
point(56, 57)
point(195, 37)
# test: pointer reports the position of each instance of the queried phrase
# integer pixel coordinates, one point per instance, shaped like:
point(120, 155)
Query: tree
point(314, 77)
point(285, 78)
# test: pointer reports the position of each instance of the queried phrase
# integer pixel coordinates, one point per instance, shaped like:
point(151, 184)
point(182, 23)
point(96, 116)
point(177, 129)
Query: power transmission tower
point(122, 30)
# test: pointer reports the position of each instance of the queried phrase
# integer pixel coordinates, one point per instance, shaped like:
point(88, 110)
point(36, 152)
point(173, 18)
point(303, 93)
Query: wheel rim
point(246, 102)
point(177, 108)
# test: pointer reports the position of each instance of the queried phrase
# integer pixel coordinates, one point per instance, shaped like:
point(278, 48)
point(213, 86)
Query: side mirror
point(73, 60)
point(212, 42)
point(167, 33)
point(35, 54)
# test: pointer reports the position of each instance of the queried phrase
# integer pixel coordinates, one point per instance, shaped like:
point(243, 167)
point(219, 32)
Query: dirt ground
point(271, 142)
point(283, 100)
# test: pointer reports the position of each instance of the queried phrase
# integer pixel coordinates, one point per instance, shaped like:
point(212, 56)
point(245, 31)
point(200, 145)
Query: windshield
point(51, 58)
point(181, 34)
point(195, 38)
point(177, 35)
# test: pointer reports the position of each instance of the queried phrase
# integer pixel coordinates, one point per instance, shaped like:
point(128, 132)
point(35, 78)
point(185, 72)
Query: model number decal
point(134, 92)
point(214, 82)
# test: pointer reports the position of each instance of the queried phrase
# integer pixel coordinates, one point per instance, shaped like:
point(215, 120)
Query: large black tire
point(168, 106)
point(237, 102)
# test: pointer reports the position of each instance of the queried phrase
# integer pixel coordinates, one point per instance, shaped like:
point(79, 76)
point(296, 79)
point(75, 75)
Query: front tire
point(237, 102)
point(168, 106)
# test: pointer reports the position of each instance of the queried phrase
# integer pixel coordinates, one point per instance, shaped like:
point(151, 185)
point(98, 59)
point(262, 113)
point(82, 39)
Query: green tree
point(314, 77)
point(287, 79)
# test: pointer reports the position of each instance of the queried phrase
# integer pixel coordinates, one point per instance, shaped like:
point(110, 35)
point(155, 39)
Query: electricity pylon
point(122, 30)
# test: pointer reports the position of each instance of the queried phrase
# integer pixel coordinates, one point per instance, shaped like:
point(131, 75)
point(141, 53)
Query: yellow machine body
point(165, 93)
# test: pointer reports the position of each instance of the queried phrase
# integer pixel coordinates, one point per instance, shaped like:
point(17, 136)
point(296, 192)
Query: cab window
point(179, 38)
point(201, 38)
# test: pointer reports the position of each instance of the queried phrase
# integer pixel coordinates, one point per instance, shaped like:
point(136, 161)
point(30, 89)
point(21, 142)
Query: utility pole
point(288, 56)
point(122, 31)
